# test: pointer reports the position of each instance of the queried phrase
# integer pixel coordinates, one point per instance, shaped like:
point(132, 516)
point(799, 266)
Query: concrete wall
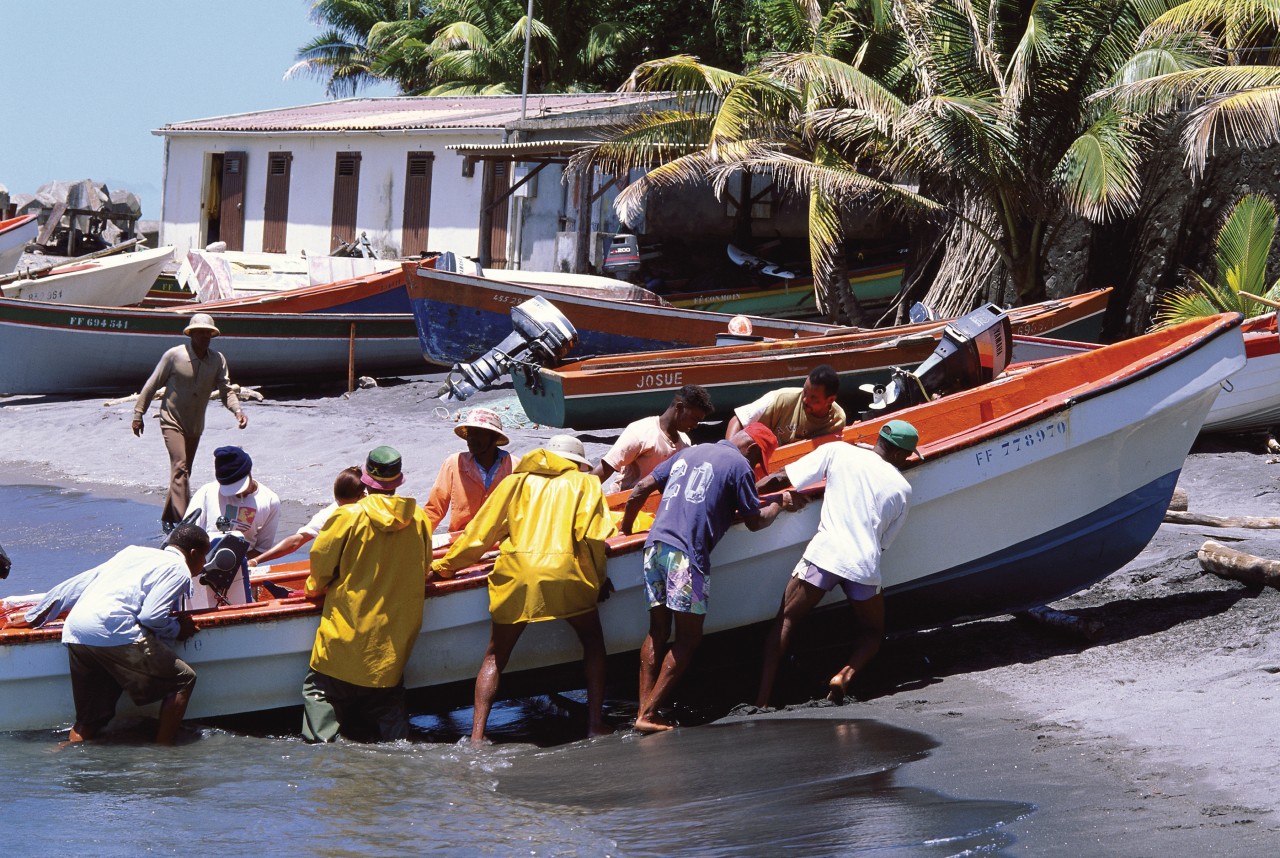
point(548, 218)
point(455, 200)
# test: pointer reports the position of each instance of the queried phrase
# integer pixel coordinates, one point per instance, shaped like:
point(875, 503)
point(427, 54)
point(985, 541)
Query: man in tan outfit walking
point(189, 374)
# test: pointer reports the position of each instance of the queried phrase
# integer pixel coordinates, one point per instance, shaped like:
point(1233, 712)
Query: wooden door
point(275, 215)
point(493, 232)
point(417, 203)
point(346, 191)
point(231, 211)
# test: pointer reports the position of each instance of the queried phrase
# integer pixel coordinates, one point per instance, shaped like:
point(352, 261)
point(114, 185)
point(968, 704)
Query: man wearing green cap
point(865, 505)
point(370, 563)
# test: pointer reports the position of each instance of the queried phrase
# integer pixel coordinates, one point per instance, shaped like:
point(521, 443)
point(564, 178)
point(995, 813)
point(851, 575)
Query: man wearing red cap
point(703, 488)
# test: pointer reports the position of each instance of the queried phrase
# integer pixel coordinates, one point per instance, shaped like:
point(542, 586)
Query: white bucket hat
point(201, 322)
point(568, 447)
point(483, 418)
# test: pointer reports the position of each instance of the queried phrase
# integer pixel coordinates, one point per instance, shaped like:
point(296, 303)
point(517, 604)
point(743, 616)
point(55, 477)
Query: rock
point(125, 202)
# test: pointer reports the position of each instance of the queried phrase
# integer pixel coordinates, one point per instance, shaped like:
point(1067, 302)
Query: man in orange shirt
point(466, 479)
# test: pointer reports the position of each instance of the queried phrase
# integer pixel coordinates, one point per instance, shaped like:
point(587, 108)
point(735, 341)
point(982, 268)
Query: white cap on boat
point(740, 326)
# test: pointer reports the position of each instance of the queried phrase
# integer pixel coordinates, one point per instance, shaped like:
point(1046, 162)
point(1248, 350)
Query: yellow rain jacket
point(552, 522)
point(370, 561)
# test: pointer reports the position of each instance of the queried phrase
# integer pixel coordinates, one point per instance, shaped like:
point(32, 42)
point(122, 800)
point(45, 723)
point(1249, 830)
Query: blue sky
point(87, 82)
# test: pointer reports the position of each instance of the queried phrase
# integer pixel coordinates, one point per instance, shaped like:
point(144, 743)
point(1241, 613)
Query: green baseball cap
point(901, 434)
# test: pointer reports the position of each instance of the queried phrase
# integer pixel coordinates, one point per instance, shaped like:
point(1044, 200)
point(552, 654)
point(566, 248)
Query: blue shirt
point(134, 592)
point(703, 488)
point(492, 471)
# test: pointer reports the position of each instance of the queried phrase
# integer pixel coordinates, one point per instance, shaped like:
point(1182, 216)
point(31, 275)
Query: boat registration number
point(91, 322)
point(1016, 444)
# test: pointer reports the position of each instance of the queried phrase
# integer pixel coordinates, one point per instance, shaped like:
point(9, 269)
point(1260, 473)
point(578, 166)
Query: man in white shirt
point(864, 506)
point(120, 632)
point(234, 502)
point(650, 441)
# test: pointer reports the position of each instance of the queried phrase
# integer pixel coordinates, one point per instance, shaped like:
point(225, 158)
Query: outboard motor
point(5, 563)
point(622, 257)
point(974, 349)
point(542, 335)
point(228, 557)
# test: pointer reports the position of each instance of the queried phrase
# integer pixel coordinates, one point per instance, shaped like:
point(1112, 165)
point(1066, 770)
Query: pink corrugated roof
point(409, 112)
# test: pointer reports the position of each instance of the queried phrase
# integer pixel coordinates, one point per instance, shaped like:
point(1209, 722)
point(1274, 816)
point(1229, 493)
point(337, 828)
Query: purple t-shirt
point(703, 487)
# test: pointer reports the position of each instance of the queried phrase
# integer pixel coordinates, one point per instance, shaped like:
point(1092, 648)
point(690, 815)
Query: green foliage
point(1244, 243)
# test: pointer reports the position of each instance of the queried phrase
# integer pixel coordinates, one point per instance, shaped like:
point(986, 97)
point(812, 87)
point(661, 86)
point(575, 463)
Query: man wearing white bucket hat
point(466, 479)
point(188, 373)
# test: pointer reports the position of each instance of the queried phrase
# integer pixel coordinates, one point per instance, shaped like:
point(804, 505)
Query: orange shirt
point(460, 489)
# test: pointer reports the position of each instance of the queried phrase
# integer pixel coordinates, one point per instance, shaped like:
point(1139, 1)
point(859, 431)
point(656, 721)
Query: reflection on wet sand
point(812, 786)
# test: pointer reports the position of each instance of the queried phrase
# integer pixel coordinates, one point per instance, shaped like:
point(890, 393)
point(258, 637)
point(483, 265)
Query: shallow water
point(808, 786)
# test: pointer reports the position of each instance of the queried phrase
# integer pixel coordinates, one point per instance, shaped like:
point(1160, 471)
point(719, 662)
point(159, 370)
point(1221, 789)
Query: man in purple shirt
point(703, 488)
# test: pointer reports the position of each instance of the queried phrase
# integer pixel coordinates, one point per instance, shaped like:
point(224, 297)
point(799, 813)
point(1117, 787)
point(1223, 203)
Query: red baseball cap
point(765, 440)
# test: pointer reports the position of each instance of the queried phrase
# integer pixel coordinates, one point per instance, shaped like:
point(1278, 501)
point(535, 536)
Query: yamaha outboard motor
point(228, 557)
point(542, 335)
point(974, 349)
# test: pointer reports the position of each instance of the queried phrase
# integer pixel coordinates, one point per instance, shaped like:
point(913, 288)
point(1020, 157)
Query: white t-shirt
point(864, 508)
point(640, 448)
point(313, 527)
point(256, 515)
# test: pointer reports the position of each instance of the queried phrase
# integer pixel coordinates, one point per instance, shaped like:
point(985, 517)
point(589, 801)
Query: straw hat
point(483, 418)
point(201, 322)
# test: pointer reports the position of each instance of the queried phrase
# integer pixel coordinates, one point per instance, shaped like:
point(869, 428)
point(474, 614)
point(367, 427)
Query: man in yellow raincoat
point(370, 563)
point(552, 522)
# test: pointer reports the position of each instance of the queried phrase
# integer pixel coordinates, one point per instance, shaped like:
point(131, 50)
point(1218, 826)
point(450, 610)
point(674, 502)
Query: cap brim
point(236, 488)
point(461, 431)
point(375, 483)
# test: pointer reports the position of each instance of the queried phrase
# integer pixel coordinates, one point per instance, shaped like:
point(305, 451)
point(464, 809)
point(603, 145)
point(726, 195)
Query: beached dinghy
point(460, 316)
point(614, 390)
point(63, 348)
point(109, 281)
point(1250, 399)
point(1033, 487)
point(15, 234)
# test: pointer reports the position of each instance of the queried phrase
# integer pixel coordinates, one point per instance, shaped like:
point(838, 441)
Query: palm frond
point(1099, 172)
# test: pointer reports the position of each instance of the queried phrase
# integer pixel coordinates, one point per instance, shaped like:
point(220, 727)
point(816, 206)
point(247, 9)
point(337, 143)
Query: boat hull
point(111, 281)
point(43, 346)
point(1007, 512)
point(15, 234)
point(460, 317)
point(1250, 399)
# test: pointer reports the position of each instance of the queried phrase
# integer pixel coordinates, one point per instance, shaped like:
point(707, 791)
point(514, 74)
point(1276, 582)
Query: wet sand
point(1160, 738)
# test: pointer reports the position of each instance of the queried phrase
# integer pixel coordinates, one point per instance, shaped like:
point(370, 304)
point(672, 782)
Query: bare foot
point(599, 730)
point(836, 690)
point(652, 725)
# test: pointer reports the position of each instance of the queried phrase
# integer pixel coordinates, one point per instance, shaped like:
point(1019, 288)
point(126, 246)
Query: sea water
point(804, 786)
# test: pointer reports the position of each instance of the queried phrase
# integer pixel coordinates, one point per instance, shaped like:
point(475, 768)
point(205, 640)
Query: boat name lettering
point(1020, 443)
point(94, 322)
point(660, 379)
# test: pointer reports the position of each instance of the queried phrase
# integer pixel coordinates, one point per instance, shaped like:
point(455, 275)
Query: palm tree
point(341, 55)
point(1244, 243)
point(997, 121)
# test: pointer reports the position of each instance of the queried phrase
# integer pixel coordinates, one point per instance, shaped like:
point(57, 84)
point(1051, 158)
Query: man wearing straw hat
point(189, 374)
point(467, 478)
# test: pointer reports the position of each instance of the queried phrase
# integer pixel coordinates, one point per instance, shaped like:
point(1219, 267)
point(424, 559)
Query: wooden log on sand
point(1090, 630)
point(1179, 500)
point(1228, 563)
point(1253, 521)
point(249, 394)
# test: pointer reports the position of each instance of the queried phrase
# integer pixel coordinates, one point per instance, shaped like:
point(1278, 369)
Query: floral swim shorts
point(670, 580)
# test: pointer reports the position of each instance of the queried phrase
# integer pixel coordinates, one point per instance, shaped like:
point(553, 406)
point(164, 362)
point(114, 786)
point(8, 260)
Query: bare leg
point(798, 599)
point(653, 649)
point(502, 640)
point(591, 636)
point(674, 664)
point(80, 733)
point(869, 617)
point(172, 709)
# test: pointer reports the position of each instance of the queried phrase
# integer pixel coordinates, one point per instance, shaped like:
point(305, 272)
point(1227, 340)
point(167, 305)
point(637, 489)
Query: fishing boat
point(1032, 487)
point(205, 276)
point(614, 390)
point(382, 292)
point(1250, 399)
point(15, 234)
point(109, 281)
point(63, 348)
point(459, 316)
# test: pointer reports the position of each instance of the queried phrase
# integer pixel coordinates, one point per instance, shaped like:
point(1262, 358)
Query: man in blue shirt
point(703, 488)
point(120, 632)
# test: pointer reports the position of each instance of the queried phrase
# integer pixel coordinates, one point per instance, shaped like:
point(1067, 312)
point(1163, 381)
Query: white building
point(307, 178)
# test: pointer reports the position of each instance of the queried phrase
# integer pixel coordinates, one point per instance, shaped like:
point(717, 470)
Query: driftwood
point(1228, 563)
point(1179, 500)
point(249, 394)
point(1090, 630)
point(1252, 521)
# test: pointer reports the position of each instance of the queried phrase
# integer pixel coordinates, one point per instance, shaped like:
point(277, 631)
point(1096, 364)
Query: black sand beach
point(1158, 739)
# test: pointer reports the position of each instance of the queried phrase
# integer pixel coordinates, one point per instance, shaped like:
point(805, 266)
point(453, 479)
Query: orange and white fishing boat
point(15, 234)
point(1033, 486)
